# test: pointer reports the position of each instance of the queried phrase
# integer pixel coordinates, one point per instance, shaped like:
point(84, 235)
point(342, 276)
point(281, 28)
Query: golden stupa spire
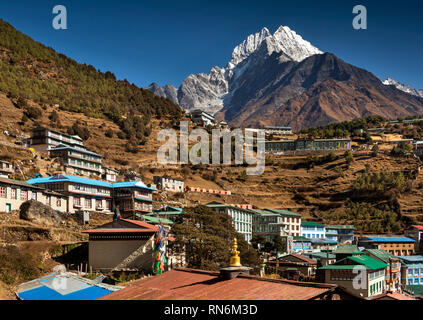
point(235, 259)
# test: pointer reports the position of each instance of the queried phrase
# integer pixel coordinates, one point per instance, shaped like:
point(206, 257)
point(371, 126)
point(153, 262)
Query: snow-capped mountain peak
point(403, 87)
point(208, 92)
point(248, 46)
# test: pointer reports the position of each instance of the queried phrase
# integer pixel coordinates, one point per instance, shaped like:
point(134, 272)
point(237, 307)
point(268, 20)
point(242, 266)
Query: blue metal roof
point(45, 293)
point(412, 259)
point(67, 287)
point(390, 239)
point(93, 182)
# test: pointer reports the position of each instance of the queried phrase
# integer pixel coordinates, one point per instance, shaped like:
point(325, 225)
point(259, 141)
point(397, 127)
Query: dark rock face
point(39, 213)
point(315, 91)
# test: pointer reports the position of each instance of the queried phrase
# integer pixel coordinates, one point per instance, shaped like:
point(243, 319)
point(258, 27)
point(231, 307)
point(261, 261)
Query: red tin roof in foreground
point(191, 284)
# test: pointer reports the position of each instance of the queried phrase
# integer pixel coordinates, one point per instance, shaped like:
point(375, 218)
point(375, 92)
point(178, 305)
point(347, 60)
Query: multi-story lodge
point(131, 197)
point(340, 233)
point(393, 269)
point(242, 219)
point(414, 266)
point(78, 161)
point(278, 130)
point(168, 183)
point(344, 274)
point(43, 139)
point(415, 232)
point(203, 118)
point(399, 246)
point(6, 169)
point(268, 224)
point(13, 193)
point(312, 230)
point(309, 145)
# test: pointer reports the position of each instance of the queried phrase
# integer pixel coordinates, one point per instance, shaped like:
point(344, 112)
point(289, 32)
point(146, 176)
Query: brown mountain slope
point(316, 91)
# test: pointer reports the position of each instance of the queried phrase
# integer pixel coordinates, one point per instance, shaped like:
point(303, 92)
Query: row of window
point(91, 189)
point(23, 195)
point(376, 288)
point(240, 216)
point(376, 274)
point(88, 203)
point(414, 281)
point(84, 164)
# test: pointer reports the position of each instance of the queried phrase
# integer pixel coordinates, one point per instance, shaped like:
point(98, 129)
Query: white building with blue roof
point(97, 195)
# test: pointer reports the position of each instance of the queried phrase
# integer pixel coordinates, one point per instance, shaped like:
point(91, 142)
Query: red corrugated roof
point(145, 227)
point(393, 295)
point(418, 227)
point(189, 284)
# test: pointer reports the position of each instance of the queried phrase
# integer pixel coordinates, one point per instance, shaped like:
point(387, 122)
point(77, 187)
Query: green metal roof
point(369, 262)
point(157, 220)
point(265, 213)
point(381, 254)
point(340, 226)
point(284, 212)
point(300, 238)
point(347, 249)
point(338, 267)
point(416, 289)
point(311, 224)
point(321, 255)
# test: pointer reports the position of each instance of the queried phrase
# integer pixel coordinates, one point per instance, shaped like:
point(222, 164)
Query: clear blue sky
point(164, 41)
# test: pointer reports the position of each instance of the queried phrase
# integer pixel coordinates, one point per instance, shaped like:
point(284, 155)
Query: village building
point(6, 169)
point(167, 183)
point(308, 145)
point(344, 272)
point(293, 265)
point(323, 245)
point(415, 232)
point(268, 224)
point(44, 139)
point(292, 221)
point(286, 131)
point(122, 245)
point(398, 246)
point(346, 250)
point(242, 219)
point(78, 161)
point(340, 233)
point(301, 244)
point(168, 212)
point(392, 271)
point(312, 230)
point(131, 197)
point(13, 193)
point(202, 118)
point(414, 270)
point(322, 258)
point(109, 174)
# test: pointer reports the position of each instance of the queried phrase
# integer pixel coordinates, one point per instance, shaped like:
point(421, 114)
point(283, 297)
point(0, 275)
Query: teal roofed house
point(169, 213)
point(340, 233)
point(312, 230)
point(97, 195)
point(361, 276)
point(393, 270)
point(346, 250)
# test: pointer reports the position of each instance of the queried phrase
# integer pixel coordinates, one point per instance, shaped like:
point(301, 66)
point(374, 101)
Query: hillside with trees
point(31, 71)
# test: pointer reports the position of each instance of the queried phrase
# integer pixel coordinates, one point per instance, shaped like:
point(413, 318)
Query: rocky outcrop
point(39, 213)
